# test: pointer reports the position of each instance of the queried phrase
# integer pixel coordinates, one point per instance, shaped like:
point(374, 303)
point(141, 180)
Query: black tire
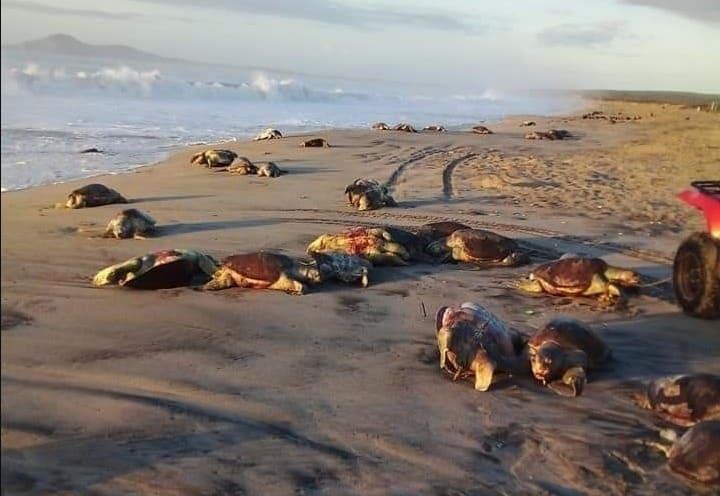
point(696, 276)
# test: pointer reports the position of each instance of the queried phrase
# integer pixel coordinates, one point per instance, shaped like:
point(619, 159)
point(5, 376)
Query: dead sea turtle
point(696, 454)
point(481, 130)
point(579, 276)
point(130, 223)
point(527, 123)
point(368, 194)
point(435, 129)
point(562, 352)
point(264, 270)
point(315, 143)
point(434, 231)
point(479, 247)
point(406, 128)
point(369, 243)
point(270, 169)
point(684, 399)
point(243, 167)
point(214, 158)
point(159, 270)
point(472, 341)
point(381, 126)
point(552, 134)
point(93, 195)
point(343, 267)
point(268, 134)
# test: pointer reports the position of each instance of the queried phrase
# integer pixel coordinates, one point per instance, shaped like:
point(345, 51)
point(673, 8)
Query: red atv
point(696, 271)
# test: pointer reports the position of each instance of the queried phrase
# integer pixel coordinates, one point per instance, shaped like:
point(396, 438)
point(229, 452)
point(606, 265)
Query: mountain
point(64, 44)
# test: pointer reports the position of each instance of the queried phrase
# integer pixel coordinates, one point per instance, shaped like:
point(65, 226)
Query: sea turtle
point(479, 247)
point(243, 167)
point(159, 270)
point(562, 352)
point(93, 195)
point(434, 231)
point(343, 267)
point(368, 194)
point(527, 124)
point(268, 134)
point(381, 126)
point(552, 134)
point(315, 143)
point(264, 270)
point(481, 130)
point(684, 400)
point(130, 223)
point(214, 158)
point(270, 169)
point(370, 243)
point(414, 244)
point(474, 342)
point(435, 129)
point(696, 454)
point(407, 128)
point(579, 276)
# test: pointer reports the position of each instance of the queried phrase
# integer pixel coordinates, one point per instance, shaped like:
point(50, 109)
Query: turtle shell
point(483, 245)
point(569, 275)
point(572, 334)
point(696, 455)
point(686, 398)
point(361, 240)
point(98, 194)
point(259, 266)
point(165, 269)
point(438, 230)
point(473, 327)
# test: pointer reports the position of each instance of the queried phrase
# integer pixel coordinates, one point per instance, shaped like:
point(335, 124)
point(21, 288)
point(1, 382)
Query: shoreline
point(338, 391)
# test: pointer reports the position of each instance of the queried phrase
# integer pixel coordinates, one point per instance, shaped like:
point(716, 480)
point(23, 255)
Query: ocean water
point(139, 112)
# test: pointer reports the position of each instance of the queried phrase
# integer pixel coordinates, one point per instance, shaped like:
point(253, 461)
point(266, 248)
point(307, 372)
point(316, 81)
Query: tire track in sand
point(422, 154)
point(447, 175)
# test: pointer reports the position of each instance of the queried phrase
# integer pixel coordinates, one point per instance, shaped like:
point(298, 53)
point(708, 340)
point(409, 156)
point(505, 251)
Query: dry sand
point(112, 391)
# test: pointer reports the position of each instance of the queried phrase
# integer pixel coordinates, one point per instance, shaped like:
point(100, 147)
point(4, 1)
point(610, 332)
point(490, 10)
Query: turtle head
point(547, 362)
point(516, 258)
point(623, 277)
point(438, 249)
point(75, 200)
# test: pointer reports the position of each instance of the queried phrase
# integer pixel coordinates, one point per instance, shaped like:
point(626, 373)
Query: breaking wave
point(129, 82)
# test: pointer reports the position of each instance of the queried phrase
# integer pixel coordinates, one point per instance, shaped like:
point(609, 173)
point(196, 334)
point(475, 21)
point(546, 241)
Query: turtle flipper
point(484, 367)
point(222, 279)
point(572, 383)
point(117, 273)
point(289, 285)
point(530, 285)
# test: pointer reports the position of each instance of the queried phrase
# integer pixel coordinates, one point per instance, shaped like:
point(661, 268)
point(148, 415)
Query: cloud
point(39, 8)
point(335, 12)
point(702, 10)
point(589, 35)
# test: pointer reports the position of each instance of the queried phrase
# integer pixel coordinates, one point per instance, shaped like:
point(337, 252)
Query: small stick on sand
point(422, 307)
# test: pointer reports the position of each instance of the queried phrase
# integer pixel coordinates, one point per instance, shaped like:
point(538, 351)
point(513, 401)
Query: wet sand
point(112, 391)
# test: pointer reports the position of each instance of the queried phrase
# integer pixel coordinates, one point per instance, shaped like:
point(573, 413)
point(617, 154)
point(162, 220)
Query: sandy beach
point(115, 391)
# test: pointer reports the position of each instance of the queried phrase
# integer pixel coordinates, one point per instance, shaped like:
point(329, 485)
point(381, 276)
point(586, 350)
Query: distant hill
point(64, 44)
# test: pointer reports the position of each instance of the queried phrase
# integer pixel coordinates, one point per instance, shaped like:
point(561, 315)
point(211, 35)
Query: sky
point(556, 44)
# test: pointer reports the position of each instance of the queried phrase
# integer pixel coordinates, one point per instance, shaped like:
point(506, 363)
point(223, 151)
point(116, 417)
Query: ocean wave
point(127, 81)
